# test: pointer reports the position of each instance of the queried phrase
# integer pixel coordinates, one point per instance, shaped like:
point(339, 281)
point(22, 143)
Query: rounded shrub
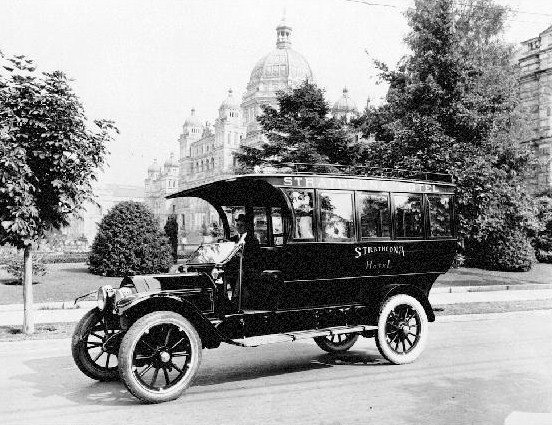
point(509, 251)
point(129, 241)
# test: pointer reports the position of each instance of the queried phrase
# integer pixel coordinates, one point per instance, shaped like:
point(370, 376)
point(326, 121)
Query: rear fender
point(209, 335)
point(414, 292)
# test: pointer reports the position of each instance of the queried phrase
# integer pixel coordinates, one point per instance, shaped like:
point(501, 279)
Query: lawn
point(66, 281)
point(62, 282)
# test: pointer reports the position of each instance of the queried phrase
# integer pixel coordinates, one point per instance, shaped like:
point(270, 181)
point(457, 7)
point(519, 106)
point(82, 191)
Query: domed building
point(207, 152)
point(280, 69)
point(345, 107)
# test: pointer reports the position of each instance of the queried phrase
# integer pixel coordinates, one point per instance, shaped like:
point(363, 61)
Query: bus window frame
point(358, 216)
point(452, 213)
point(315, 219)
point(423, 209)
point(318, 235)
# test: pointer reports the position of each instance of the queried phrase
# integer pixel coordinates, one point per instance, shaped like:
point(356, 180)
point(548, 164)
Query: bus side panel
point(316, 274)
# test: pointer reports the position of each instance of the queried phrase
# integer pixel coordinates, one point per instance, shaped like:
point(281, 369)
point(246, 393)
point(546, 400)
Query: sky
point(145, 63)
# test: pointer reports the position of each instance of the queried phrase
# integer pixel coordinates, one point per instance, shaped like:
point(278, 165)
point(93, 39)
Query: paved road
point(476, 370)
point(13, 314)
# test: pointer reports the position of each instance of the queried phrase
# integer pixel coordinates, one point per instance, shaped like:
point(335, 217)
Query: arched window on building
point(229, 138)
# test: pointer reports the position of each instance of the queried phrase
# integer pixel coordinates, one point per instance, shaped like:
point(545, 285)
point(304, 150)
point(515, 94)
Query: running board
point(255, 341)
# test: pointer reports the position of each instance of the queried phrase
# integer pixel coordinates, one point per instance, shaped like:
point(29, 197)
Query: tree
point(453, 106)
point(543, 239)
point(49, 153)
point(129, 241)
point(301, 130)
point(171, 230)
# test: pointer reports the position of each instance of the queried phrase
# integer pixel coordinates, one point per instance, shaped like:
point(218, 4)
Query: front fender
point(149, 303)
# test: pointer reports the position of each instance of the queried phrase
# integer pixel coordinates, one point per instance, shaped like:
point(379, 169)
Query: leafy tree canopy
point(49, 152)
point(453, 105)
point(301, 130)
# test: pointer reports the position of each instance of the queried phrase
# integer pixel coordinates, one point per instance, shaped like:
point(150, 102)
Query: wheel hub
point(164, 357)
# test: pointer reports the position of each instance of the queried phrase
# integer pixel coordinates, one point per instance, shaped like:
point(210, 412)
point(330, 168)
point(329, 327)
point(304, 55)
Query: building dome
point(282, 65)
point(155, 167)
point(192, 120)
point(171, 161)
point(230, 102)
point(345, 106)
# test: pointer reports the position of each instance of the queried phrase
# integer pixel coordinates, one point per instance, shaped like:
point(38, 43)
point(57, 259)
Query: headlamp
point(104, 293)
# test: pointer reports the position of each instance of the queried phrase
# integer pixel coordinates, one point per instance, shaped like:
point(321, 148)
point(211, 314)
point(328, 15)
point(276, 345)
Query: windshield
point(212, 253)
point(215, 253)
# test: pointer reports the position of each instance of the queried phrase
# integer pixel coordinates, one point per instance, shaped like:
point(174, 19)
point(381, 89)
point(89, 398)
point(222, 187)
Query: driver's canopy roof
point(253, 190)
point(248, 191)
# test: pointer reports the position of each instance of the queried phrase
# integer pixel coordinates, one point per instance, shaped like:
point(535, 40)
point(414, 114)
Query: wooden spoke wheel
point(402, 329)
point(336, 343)
point(94, 347)
point(159, 356)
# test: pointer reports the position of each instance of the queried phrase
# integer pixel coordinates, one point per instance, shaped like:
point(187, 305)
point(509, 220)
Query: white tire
point(402, 329)
point(163, 342)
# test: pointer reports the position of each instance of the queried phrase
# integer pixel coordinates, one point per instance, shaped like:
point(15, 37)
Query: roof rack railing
point(355, 170)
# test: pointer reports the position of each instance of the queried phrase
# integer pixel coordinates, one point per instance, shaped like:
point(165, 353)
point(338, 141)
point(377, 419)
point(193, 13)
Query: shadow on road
point(222, 370)
point(58, 376)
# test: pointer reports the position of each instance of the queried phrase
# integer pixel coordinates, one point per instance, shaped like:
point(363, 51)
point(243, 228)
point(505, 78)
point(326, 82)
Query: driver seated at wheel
point(250, 240)
point(250, 253)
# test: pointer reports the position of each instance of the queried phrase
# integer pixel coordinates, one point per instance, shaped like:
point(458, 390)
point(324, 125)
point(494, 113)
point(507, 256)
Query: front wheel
point(159, 356)
point(336, 343)
point(94, 347)
point(402, 329)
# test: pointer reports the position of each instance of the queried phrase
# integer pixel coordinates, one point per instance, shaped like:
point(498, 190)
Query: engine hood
point(166, 282)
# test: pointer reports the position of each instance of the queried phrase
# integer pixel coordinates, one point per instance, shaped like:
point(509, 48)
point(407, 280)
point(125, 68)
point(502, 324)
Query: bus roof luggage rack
point(357, 170)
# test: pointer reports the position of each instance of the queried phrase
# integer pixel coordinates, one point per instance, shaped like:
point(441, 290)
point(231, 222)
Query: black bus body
point(329, 257)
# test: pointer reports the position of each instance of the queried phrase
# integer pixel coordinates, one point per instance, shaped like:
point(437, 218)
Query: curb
point(489, 288)
point(70, 305)
point(54, 305)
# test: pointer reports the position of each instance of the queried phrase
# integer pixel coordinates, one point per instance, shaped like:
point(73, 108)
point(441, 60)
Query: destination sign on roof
point(351, 183)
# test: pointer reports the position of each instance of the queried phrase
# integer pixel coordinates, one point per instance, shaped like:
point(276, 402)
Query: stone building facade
point(206, 152)
point(535, 60)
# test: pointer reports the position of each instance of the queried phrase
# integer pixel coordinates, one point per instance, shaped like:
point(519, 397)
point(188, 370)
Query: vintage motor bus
point(325, 256)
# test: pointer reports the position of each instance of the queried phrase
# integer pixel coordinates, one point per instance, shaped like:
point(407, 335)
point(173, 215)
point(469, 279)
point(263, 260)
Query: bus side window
point(440, 211)
point(408, 215)
point(375, 217)
point(302, 202)
point(260, 225)
point(277, 226)
point(336, 213)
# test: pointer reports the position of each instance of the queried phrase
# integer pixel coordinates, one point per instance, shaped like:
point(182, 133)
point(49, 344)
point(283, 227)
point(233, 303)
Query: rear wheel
point(94, 347)
point(336, 343)
point(402, 329)
point(159, 356)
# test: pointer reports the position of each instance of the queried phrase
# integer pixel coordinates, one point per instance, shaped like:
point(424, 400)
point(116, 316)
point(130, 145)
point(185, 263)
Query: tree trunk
point(28, 314)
